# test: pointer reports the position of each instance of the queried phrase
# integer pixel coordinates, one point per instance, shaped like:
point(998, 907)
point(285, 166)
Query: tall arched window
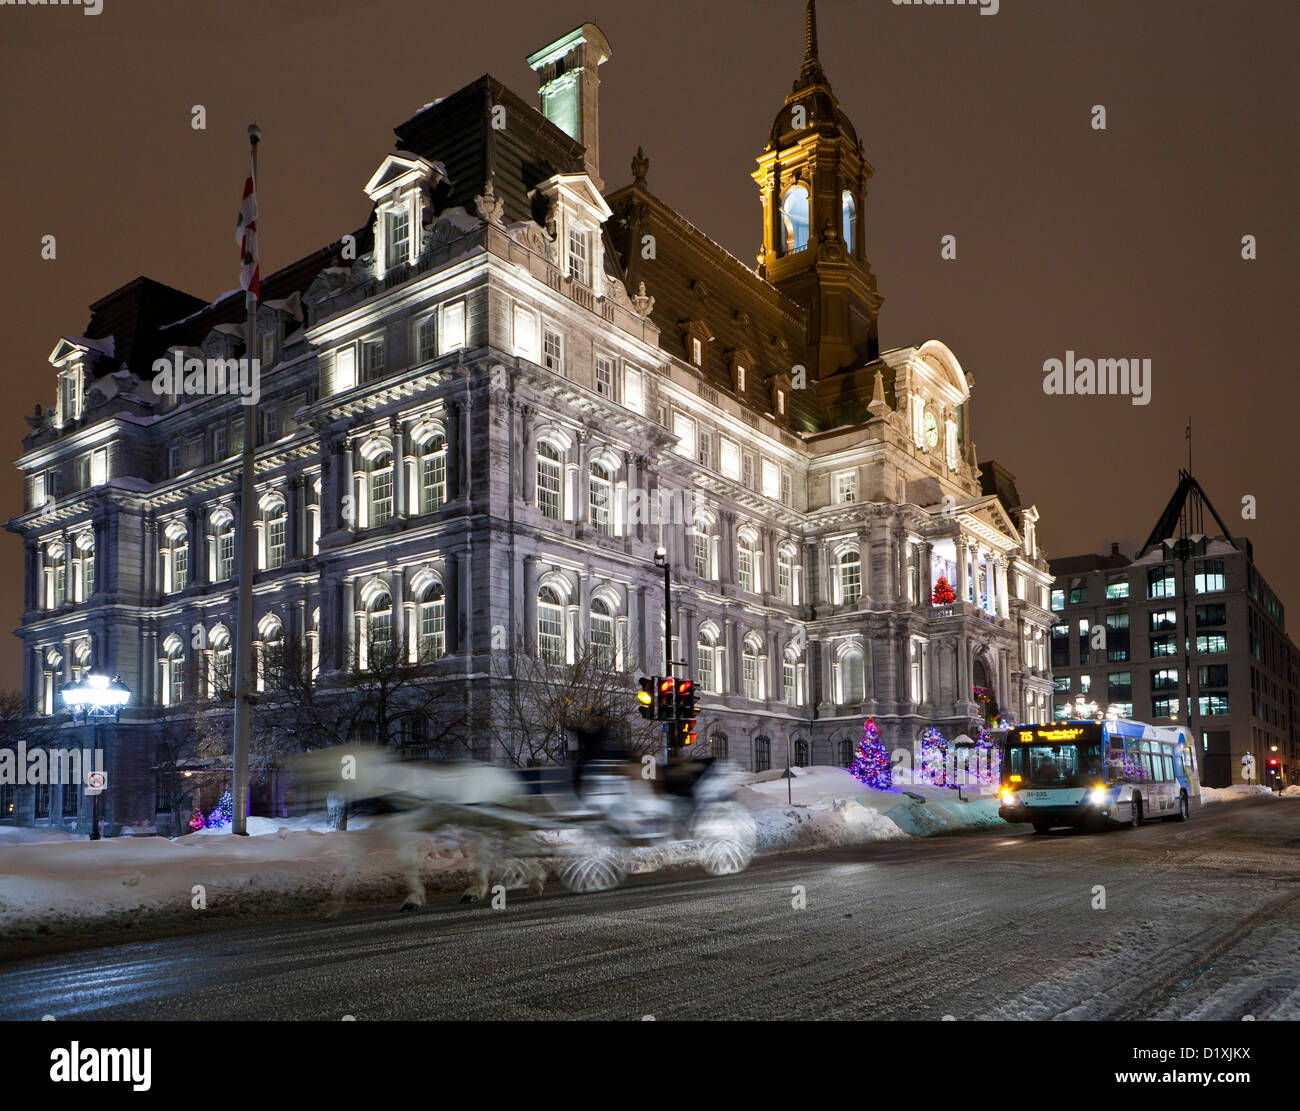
point(80, 659)
point(791, 688)
point(794, 218)
point(706, 661)
point(84, 586)
point(220, 667)
point(56, 576)
point(719, 746)
point(800, 753)
point(845, 753)
point(850, 576)
point(747, 561)
point(751, 669)
point(381, 488)
point(173, 671)
point(762, 754)
point(270, 656)
point(550, 626)
point(602, 500)
point(433, 473)
point(602, 632)
point(274, 521)
point(176, 559)
point(550, 481)
point(849, 681)
point(849, 208)
point(379, 628)
point(224, 541)
point(433, 624)
point(785, 574)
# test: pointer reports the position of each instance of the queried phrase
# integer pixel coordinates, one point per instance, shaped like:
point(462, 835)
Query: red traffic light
point(665, 686)
point(685, 686)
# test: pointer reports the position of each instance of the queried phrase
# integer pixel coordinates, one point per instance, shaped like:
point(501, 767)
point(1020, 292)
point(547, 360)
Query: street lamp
point(96, 699)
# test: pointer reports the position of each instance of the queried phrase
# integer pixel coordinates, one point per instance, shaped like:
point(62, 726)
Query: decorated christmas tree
point(224, 812)
point(872, 763)
point(197, 822)
point(943, 593)
point(934, 758)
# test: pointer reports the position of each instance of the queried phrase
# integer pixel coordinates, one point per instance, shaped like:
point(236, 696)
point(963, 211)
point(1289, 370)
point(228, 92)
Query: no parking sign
point(96, 782)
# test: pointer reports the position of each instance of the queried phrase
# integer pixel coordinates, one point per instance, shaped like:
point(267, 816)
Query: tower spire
point(810, 73)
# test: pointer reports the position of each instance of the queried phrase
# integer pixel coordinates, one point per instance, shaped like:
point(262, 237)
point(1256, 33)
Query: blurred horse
point(414, 798)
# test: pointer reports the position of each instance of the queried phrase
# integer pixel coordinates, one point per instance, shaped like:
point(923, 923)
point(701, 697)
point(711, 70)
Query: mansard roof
point(694, 279)
point(459, 132)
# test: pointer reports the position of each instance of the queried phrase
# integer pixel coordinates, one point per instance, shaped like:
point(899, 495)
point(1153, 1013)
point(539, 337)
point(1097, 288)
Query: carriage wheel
point(728, 838)
point(592, 862)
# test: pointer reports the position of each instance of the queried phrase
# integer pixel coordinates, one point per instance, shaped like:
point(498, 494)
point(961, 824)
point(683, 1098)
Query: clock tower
point(812, 178)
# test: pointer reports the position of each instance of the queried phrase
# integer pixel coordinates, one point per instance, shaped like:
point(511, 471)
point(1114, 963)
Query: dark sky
point(1119, 243)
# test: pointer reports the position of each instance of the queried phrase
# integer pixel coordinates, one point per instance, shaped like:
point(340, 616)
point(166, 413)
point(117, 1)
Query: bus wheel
point(1184, 810)
point(1136, 820)
point(1042, 827)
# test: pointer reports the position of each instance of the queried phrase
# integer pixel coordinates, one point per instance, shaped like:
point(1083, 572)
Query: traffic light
point(1272, 765)
point(646, 697)
point(685, 698)
point(666, 709)
point(686, 732)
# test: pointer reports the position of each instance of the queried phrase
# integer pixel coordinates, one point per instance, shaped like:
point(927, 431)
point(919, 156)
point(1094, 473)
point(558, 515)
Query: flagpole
point(244, 685)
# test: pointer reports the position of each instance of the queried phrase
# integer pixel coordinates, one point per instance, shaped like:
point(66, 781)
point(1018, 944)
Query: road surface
point(1196, 920)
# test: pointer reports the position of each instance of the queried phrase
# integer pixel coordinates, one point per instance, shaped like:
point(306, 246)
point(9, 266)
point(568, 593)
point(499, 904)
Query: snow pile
point(1292, 792)
point(1236, 793)
point(66, 887)
point(831, 807)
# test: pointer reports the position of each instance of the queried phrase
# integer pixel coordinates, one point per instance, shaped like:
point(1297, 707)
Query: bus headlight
point(1007, 797)
point(1100, 796)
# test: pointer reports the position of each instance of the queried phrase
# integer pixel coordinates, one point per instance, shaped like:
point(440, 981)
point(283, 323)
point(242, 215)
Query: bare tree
point(537, 702)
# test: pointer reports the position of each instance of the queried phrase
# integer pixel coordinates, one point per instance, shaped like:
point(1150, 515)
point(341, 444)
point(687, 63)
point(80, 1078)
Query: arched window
point(550, 481)
point(220, 668)
point(602, 500)
point(381, 488)
point(751, 668)
point(850, 576)
point(176, 559)
point(800, 753)
point(84, 586)
point(173, 671)
point(849, 681)
point(274, 522)
point(719, 746)
point(433, 624)
point(602, 632)
point(379, 628)
point(786, 585)
point(225, 544)
point(433, 473)
point(849, 208)
point(56, 576)
point(550, 626)
point(747, 561)
point(844, 753)
point(706, 661)
point(80, 659)
point(791, 688)
point(794, 219)
point(270, 656)
point(762, 754)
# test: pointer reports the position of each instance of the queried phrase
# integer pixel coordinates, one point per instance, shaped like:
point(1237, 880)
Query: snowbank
point(831, 807)
point(54, 883)
point(1237, 792)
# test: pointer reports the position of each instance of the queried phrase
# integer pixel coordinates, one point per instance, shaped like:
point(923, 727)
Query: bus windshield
point(1055, 765)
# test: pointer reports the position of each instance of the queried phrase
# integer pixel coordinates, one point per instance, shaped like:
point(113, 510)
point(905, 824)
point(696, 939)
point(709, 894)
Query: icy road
point(1171, 921)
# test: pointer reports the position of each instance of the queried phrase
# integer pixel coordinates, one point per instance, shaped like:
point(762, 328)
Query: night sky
point(1117, 243)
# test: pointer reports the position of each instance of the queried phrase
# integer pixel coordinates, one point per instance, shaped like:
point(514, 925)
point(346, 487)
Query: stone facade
point(483, 412)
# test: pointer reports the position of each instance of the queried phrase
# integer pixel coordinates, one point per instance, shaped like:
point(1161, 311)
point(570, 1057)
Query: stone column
point(401, 504)
point(348, 641)
point(530, 604)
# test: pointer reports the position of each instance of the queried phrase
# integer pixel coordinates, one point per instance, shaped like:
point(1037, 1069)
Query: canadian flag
point(246, 237)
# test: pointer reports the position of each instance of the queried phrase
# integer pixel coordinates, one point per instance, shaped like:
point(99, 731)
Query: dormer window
point(579, 257)
point(780, 403)
point(740, 378)
point(397, 242)
point(849, 209)
point(697, 351)
point(70, 399)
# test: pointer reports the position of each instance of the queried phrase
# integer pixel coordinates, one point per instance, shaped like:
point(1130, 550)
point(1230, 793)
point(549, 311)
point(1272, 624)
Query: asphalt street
point(1195, 920)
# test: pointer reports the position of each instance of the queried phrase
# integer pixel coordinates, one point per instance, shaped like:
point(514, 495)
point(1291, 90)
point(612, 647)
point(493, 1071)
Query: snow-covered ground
point(55, 882)
point(1239, 791)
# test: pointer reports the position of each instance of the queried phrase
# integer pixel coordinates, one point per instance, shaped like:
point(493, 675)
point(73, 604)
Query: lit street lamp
point(96, 698)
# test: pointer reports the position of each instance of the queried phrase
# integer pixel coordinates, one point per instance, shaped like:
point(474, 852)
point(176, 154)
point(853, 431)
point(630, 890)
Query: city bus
point(1097, 773)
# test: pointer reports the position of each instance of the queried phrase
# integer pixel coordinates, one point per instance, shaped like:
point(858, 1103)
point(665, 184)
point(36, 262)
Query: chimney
point(567, 84)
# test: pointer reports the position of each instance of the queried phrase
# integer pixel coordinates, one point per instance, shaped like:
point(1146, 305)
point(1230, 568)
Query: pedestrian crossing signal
point(686, 733)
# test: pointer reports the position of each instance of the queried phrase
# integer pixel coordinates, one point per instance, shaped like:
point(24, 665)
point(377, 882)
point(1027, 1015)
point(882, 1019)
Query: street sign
point(1248, 767)
point(96, 782)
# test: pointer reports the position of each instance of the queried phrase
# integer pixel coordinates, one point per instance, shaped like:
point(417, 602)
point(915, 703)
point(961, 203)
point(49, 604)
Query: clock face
point(931, 428)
